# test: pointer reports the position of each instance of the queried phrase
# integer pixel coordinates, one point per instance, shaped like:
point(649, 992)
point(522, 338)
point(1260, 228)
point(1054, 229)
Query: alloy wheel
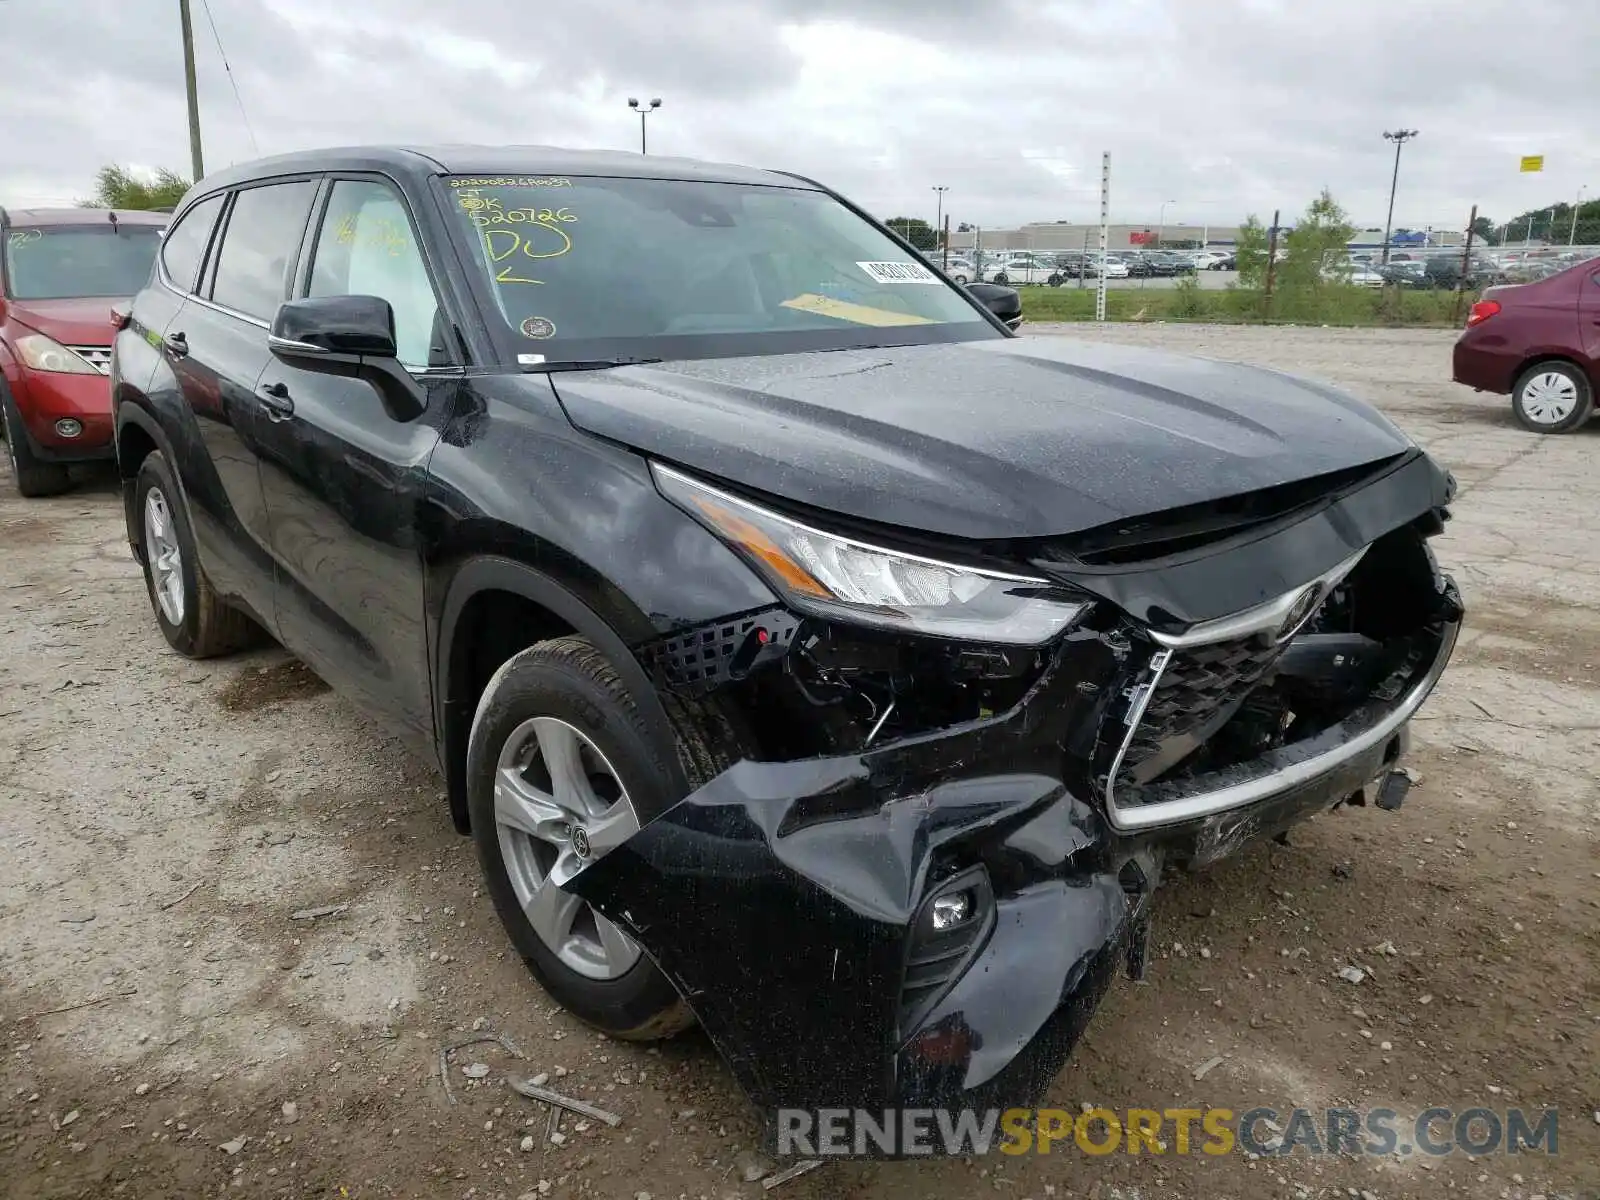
point(558, 806)
point(166, 558)
point(1549, 397)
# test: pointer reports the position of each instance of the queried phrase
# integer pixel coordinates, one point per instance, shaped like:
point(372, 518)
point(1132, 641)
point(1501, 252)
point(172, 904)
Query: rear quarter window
point(184, 247)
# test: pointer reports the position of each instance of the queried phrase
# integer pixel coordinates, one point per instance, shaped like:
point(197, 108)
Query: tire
point(1054, 281)
point(560, 688)
point(193, 620)
point(961, 279)
point(1552, 397)
point(1001, 279)
point(34, 478)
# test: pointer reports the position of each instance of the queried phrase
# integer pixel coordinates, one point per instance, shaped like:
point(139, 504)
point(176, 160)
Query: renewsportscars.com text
point(1434, 1132)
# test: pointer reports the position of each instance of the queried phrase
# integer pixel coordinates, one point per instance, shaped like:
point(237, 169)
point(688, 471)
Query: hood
point(80, 321)
point(1015, 438)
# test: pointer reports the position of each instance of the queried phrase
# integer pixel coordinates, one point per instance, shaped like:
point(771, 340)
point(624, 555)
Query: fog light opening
point(953, 910)
point(68, 428)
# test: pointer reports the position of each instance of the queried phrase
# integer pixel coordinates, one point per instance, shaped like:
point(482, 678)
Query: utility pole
point(1272, 262)
point(1105, 233)
point(1466, 263)
point(938, 222)
point(643, 112)
point(1399, 137)
point(196, 159)
point(1572, 235)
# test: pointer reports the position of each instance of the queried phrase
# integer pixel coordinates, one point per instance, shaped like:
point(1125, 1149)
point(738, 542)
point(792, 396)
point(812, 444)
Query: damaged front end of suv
point(928, 845)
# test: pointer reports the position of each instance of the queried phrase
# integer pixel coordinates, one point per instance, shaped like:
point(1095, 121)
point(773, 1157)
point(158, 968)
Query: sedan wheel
point(558, 806)
point(1552, 397)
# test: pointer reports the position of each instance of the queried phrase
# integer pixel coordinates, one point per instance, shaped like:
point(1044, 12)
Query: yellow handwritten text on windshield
point(25, 237)
point(513, 235)
point(380, 234)
point(515, 181)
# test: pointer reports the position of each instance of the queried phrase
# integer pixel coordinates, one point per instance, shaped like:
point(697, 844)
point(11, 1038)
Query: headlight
point(46, 354)
point(843, 579)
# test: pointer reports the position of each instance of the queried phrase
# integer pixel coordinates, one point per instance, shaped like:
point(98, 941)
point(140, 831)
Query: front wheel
point(1001, 279)
point(193, 619)
point(1552, 397)
point(961, 279)
point(34, 477)
point(560, 772)
point(1054, 281)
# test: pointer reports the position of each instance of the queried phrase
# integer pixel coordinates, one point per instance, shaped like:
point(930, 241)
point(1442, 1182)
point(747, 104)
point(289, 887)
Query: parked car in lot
point(1229, 262)
point(787, 647)
point(1360, 276)
point(61, 271)
point(1019, 271)
point(1539, 343)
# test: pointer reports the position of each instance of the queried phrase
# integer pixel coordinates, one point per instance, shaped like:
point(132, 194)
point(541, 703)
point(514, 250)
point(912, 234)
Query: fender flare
point(454, 715)
point(131, 412)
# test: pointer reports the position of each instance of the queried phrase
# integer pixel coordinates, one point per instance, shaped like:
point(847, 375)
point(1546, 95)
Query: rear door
point(344, 480)
point(217, 345)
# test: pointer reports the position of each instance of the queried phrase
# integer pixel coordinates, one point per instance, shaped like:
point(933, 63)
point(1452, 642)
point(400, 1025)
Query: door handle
point(275, 399)
point(177, 345)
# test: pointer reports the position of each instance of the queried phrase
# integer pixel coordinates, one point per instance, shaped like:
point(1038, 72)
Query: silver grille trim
point(98, 357)
point(1268, 619)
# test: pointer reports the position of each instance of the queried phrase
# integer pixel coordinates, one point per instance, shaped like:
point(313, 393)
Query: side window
point(185, 243)
point(262, 237)
point(366, 247)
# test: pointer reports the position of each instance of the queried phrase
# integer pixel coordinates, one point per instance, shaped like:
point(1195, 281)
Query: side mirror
point(351, 336)
point(1003, 302)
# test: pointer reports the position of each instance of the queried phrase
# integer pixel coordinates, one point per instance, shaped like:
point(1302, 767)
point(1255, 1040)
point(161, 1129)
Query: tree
point(1484, 230)
point(1317, 248)
point(1553, 223)
point(964, 227)
point(1251, 251)
point(916, 231)
point(116, 187)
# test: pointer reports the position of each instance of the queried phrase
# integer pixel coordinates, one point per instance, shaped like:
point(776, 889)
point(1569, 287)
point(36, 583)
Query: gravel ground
point(169, 1028)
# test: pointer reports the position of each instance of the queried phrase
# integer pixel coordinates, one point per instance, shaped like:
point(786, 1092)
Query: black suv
point(807, 654)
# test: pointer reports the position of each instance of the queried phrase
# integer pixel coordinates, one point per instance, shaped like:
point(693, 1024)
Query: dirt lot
point(161, 822)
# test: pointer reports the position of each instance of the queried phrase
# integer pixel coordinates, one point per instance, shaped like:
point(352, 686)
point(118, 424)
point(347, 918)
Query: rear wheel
point(560, 772)
point(1054, 281)
point(1001, 279)
point(1552, 397)
point(34, 477)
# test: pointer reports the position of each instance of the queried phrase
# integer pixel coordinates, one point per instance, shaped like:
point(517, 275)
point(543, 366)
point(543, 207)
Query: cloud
point(1214, 110)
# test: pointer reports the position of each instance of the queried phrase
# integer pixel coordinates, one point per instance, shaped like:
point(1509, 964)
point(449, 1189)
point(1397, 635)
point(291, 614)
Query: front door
point(343, 479)
point(217, 347)
point(1589, 324)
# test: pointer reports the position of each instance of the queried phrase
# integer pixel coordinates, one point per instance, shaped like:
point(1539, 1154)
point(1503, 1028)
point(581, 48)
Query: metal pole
point(1083, 264)
point(1272, 258)
point(1466, 260)
point(1572, 236)
point(1105, 233)
point(1399, 137)
point(642, 149)
point(947, 243)
point(196, 159)
point(938, 217)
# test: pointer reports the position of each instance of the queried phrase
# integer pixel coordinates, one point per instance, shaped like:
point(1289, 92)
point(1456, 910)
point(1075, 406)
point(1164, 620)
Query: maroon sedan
point(1539, 343)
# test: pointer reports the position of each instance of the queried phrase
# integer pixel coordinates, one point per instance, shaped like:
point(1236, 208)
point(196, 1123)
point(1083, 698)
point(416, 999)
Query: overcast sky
point(1222, 107)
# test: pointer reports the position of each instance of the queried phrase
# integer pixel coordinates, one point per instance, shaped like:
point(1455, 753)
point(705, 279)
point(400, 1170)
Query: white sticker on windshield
point(898, 272)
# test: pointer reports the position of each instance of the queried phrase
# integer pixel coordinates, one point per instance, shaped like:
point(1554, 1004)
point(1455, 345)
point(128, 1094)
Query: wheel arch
point(1540, 357)
point(496, 604)
point(138, 435)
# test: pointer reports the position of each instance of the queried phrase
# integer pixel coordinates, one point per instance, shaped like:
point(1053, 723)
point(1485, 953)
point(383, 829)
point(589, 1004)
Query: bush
point(1327, 304)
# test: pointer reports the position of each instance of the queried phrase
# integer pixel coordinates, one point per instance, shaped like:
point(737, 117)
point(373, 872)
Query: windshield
point(594, 268)
point(60, 262)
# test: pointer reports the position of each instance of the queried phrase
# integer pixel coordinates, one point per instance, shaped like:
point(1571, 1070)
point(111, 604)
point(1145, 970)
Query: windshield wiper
point(587, 364)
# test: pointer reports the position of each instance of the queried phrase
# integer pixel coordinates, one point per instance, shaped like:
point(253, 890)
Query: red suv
point(61, 270)
point(1539, 342)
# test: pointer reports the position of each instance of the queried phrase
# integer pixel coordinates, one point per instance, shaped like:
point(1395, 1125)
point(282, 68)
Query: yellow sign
point(1532, 162)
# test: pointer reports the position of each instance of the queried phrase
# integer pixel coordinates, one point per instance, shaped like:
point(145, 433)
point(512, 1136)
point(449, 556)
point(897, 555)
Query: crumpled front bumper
point(782, 898)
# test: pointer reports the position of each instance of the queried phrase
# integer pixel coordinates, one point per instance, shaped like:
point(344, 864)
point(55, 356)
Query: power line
point(234, 83)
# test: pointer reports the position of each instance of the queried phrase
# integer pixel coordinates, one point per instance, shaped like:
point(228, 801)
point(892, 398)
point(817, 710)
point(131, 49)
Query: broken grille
point(1196, 691)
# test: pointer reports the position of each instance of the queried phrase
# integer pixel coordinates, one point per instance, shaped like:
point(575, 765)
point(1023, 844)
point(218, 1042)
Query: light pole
point(938, 224)
point(1572, 236)
point(1399, 137)
point(1161, 223)
point(643, 111)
